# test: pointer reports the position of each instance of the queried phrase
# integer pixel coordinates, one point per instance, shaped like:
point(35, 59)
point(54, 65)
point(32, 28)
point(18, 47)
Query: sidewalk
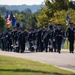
point(65, 60)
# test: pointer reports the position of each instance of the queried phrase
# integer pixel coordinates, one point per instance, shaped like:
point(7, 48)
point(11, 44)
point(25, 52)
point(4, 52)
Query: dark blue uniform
point(58, 37)
point(8, 41)
point(30, 40)
point(54, 41)
point(46, 39)
point(21, 41)
point(40, 40)
point(71, 35)
point(3, 41)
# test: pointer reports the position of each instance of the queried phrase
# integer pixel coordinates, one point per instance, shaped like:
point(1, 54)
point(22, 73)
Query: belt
point(58, 35)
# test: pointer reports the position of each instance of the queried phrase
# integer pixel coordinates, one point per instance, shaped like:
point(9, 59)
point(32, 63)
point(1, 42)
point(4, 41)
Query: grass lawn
point(66, 45)
point(18, 66)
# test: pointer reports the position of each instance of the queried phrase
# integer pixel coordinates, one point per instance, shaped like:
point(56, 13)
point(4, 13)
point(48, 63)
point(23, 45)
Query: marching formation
point(39, 39)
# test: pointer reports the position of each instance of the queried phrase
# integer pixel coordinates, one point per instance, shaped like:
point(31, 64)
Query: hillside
point(33, 8)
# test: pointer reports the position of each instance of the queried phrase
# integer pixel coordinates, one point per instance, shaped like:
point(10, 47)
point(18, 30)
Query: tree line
point(54, 11)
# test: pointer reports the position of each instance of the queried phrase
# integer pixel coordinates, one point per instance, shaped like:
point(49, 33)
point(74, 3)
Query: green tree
point(72, 4)
point(15, 11)
point(72, 13)
point(2, 10)
point(28, 11)
point(2, 23)
point(57, 4)
point(59, 18)
point(27, 18)
point(52, 7)
point(42, 18)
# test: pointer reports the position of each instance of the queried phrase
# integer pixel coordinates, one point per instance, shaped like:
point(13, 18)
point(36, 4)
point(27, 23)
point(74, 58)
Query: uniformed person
point(30, 39)
point(2, 40)
point(40, 40)
point(14, 35)
point(51, 39)
point(21, 41)
point(8, 40)
point(59, 37)
point(46, 38)
point(54, 40)
point(71, 35)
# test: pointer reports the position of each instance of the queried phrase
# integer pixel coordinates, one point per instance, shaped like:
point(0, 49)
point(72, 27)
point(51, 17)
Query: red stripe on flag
point(8, 21)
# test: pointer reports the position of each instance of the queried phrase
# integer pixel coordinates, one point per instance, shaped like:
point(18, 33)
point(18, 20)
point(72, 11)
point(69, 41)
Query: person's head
point(71, 24)
point(58, 25)
point(51, 27)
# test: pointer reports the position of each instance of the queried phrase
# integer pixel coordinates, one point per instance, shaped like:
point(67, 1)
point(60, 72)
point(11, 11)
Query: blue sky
point(19, 2)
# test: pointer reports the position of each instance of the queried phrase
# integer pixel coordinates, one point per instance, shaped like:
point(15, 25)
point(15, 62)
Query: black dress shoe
point(59, 52)
point(72, 52)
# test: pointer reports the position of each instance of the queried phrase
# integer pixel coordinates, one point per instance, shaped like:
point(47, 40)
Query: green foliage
point(15, 11)
point(2, 10)
point(72, 4)
point(72, 13)
point(59, 17)
point(62, 4)
point(27, 18)
point(28, 11)
point(57, 4)
point(2, 23)
point(31, 22)
point(55, 11)
point(43, 17)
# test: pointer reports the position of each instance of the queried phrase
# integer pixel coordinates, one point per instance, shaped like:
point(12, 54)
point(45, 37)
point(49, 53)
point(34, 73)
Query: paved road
point(65, 60)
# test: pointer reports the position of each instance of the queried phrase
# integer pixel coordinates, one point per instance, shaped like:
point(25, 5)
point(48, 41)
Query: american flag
point(8, 21)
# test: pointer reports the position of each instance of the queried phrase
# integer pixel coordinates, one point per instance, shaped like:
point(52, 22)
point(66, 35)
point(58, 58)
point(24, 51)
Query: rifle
point(45, 35)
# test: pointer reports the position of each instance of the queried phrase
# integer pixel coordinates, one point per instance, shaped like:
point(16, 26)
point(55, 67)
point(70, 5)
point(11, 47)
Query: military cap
point(58, 24)
point(70, 23)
